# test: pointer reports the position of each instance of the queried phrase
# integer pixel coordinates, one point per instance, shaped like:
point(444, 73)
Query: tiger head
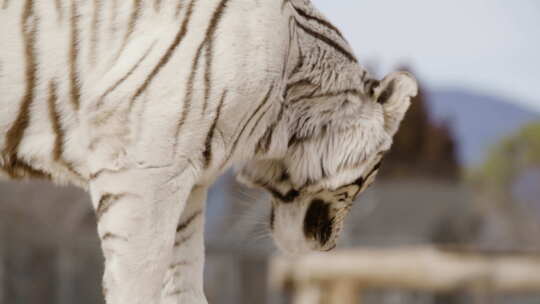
point(336, 144)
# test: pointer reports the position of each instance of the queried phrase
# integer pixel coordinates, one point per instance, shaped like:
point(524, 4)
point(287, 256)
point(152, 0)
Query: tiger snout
point(303, 227)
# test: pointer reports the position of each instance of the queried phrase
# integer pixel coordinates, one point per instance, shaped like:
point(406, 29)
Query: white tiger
point(145, 102)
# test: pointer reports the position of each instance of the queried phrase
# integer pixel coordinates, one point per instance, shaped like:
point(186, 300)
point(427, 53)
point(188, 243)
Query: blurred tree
point(421, 147)
point(507, 186)
point(508, 158)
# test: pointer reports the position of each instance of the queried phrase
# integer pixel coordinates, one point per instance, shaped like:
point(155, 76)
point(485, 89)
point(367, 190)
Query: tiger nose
point(318, 223)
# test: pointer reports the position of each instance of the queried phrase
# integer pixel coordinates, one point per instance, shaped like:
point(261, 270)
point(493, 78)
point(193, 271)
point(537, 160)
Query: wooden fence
point(340, 277)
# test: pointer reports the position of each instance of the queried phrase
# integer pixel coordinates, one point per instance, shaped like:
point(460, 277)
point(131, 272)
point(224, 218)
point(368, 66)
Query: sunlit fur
point(145, 103)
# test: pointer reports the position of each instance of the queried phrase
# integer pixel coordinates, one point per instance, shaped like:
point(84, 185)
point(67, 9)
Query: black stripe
point(207, 42)
point(360, 183)
point(58, 8)
point(289, 46)
point(176, 292)
point(296, 140)
point(370, 85)
point(186, 105)
point(16, 132)
point(318, 20)
point(112, 236)
point(307, 95)
point(364, 74)
point(157, 5)
point(135, 13)
point(264, 144)
point(112, 21)
point(285, 198)
point(129, 73)
point(305, 121)
point(210, 37)
point(19, 169)
point(75, 89)
point(179, 7)
point(97, 174)
point(106, 202)
point(168, 54)
point(104, 289)
point(261, 105)
point(94, 31)
point(188, 221)
point(283, 3)
point(361, 180)
point(324, 174)
point(300, 61)
point(386, 94)
point(272, 218)
point(328, 95)
point(178, 264)
point(207, 153)
point(54, 116)
point(258, 121)
point(292, 85)
point(184, 239)
point(375, 168)
point(328, 41)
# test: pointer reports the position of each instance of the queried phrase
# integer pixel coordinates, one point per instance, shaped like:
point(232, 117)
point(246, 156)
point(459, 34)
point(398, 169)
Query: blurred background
point(464, 169)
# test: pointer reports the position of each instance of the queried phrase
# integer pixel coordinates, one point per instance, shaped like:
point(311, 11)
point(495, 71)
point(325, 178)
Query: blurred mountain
point(477, 121)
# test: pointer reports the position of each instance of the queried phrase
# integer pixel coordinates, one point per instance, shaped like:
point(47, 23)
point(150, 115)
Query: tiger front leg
point(184, 279)
point(138, 211)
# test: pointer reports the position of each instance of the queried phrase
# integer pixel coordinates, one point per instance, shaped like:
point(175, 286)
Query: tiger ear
point(394, 94)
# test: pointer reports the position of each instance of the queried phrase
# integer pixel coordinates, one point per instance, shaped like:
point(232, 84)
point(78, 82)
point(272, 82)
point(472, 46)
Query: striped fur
point(145, 102)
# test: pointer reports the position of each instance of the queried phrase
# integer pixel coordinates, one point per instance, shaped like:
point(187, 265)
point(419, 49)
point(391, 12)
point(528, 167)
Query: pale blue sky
point(490, 46)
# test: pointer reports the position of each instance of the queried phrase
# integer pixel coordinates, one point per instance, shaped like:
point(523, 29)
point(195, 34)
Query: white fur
point(146, 175)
